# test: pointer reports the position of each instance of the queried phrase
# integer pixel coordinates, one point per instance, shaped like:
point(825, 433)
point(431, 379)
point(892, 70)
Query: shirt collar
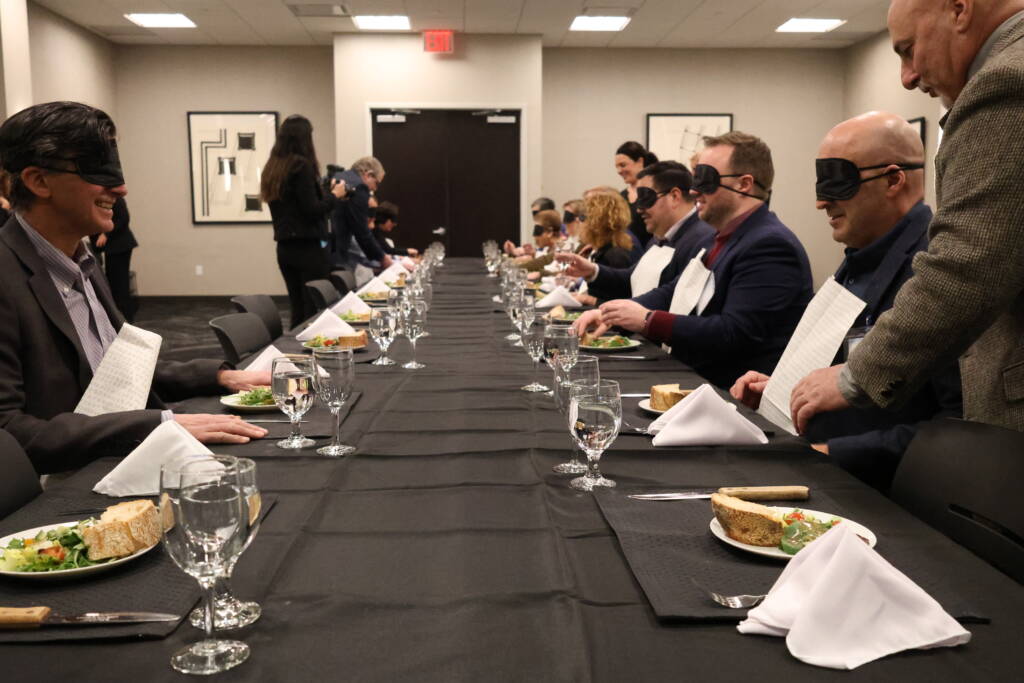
point(990, 43)
point(675, 228)
point(66, 271)
point(732, 225)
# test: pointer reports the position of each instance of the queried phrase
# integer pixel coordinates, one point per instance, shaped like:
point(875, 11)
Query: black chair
point(344, 281)
point(963, 478)
point(263, 306)
point(240, 335)
point(19, 483)
point(322, 294)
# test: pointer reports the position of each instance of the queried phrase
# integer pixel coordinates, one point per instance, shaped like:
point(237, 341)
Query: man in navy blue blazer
point(663, 200)
point(871, 185)
point(760, 275)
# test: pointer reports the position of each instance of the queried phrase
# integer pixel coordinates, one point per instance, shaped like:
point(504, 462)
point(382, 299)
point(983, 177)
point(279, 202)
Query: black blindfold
point(707, 180)
point(839, 179)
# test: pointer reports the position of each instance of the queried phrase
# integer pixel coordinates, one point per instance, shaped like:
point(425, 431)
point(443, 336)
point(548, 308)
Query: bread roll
point(123, 529)
point(747, 522)
point(664, 396)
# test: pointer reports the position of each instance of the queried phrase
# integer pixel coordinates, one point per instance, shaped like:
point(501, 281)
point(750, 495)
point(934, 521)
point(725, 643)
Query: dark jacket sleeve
point(612, 283)
point(302, 210)
point(358, 217)
point(616, 257)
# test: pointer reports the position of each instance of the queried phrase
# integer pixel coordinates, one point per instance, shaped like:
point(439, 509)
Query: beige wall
point(485, 71)
point(596, 99)
point(69, 63)
point(156, 86)
point(873, 82)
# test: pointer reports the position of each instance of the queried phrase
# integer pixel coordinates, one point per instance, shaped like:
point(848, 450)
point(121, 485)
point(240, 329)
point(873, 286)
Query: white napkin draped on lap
point(125, 374)
point(265, 360)
point(839, 604)
point(705, 419)
point(139, 473)
point(350, 303)
point(559, 296)
point(328, 324)
point(374, 286)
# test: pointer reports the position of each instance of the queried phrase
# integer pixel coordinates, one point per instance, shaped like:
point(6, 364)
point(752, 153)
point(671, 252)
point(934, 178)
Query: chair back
point(263, 306)
point(344, 281)
point(963, 479)
point(20, 481)
point(240, 335)
point(322, 294)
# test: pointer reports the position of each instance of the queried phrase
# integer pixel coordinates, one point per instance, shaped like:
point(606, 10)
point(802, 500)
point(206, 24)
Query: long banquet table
point(447, 550)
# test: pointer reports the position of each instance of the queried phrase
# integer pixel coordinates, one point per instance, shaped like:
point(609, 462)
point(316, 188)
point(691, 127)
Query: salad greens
point(260, 396)
point(800, 530)
point(608, 342)
point(60, 548)
point(350, 317)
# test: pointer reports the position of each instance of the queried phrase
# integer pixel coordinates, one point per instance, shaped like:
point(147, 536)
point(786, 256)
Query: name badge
point(853, 337)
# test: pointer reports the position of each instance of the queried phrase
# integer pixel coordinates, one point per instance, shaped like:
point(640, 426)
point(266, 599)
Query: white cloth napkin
point(559, 295)
point(408, 263)
point(839, 604)
point(351, 303)
point(374, 286)
point(264, 361)
point(327, 325)
point(647, 272)
point(139, 473)
point(393, 272)
point(124, 375)
point(705, 419)
point(547, 284)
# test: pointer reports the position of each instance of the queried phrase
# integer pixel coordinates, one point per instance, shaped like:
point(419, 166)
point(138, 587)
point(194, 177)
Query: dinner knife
point(34, 617)
point(744, 492)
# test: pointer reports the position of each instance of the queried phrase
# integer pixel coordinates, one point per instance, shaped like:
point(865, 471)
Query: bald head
point(877, 137)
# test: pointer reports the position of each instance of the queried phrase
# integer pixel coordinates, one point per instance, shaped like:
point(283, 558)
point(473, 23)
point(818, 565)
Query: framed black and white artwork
point(677, 137)
point(918, 124)
point(227, 151)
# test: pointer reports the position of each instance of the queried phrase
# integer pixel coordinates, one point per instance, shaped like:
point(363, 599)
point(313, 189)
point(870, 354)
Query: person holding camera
point(350, 219)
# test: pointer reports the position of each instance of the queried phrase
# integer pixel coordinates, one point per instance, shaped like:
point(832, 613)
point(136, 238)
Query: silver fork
point(731, 601)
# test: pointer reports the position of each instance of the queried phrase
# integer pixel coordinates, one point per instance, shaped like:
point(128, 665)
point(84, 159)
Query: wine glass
point(511, 298)
point(533, 338)
point(426, 294)
point(394, 297)
point(595, 414)
point(228, 611)
point(412, 324)
point(204, 530)
point(291, 383)
point(335, 372)
point(527, 312)
point(584, 372)
point(382, 329)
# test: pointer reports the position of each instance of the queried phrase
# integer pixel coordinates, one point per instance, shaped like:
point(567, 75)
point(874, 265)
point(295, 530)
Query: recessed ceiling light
point(150, 20)
point(585, 23)
point(394, 22)
point(796, 25)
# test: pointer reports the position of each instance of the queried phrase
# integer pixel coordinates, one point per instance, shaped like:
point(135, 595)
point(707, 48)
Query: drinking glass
point(595, 414)
point(335, 373)
point(426, 294)
point(382, 329)
point(204, 524)
point(584, 372)
point(291, 383)
point(512, 299)
point(527, 312)
point(228, 611)
point(394, 297)
point(533, 336)
point(561, 346)
point(412, 324)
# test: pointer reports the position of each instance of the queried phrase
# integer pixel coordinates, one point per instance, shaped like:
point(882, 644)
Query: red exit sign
point(439, 41)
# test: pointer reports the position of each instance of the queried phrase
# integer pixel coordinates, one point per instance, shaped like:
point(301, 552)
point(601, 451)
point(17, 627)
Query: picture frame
point(679, 136)
point(919, 124)
point(227, 152)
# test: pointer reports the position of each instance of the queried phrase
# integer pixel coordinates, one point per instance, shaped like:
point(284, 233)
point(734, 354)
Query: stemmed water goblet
point(595, 414)
point(382, 329)
point(533, 340)
point(512, 299)
point(291, 384)
point(412, 327)
point(584, 372)
point(335, 373)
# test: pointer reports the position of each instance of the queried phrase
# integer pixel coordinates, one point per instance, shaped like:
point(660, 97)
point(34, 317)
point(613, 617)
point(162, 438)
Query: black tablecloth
point(447, 550)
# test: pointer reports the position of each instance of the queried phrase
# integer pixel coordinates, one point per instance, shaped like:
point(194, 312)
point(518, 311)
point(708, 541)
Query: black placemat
point(668, 546)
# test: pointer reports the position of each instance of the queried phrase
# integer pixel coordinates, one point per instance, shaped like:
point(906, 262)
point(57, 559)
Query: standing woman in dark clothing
point(630, 159)
point(299, 208)
point(116, 247)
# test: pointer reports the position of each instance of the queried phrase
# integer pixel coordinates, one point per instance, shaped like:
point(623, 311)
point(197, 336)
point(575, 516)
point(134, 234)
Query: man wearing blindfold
point(871, 186)
point(57, 316)
point(967, 292)
point(760, 278)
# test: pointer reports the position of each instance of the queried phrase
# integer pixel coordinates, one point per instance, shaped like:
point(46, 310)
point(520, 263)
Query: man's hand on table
point(578, 266)
point(624, 313)
point(587, 320)
point(816, 393)
point(219, 428)
point(243, 380)
point(585, 299)
point(749, 387)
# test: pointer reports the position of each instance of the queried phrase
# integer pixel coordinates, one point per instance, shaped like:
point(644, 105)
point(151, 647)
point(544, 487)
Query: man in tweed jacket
point(967, 293)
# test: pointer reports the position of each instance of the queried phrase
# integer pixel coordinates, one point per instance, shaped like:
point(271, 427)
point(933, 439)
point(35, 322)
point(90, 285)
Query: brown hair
point(574, 205)
point(607, 220)
point(549, 220)
point(292, 149)
point(750, 155)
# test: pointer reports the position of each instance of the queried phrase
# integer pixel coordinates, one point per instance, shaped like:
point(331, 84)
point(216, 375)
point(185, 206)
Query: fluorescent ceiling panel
point(585, 23)
point(396, 22)
point(160, 20)
point(798, 25)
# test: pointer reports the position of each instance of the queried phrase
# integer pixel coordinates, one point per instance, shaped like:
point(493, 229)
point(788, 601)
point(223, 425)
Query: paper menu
point(125, 374)
point(813, 345)
point(647, 273)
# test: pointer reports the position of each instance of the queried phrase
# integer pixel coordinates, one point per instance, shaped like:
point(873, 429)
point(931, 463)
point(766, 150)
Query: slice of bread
point(557, 313)
point(123, 529)
point(664, 396)
point(747, 522)
point(353, 340)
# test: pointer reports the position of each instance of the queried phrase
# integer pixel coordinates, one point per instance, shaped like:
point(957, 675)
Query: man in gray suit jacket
point(57, 316)
point(967, 293)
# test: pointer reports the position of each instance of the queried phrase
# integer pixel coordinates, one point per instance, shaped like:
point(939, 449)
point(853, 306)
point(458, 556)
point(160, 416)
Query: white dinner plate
point(354, 322)
point(645, 405)
point(64, 573)
point(231, 401)
point(306, 345)
point(779, 553)
point(633, 343)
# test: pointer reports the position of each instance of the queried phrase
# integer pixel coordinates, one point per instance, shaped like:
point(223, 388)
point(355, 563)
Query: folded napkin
point(496, 298)
point(393, 272)
point(547, 283)
point(264, 361)
point(408, 263)
point(840, 604)
point(558, 296)
point(124, 376)
point(374, 286)
point(350, 303)
point(705, 419)
point(139, 473)
point(327, 325)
